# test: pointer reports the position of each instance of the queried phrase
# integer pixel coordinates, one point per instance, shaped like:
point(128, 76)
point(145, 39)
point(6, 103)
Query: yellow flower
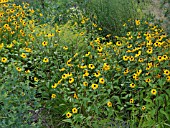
point(1, 46)
point(168, 78)
point(45, 60)
point(75, 96)
point(165, 57)
point(99, 49)
point(75, 55)
point(137, 22)
point(85, 83)
point(69, 74)
point(86, 73)
point(23, 55)
point(81, 33)
point(68, 114)
point(65, 48)
point(18, 69)
point(160, 58)
point(131, 58)
point(100, 29)
point(91, 66)
point(95, 25)
point(109, 104)
point(83, 21)
point(61, 70)
point(126, 71)
point(128, 33)
point(129, 46)
point(132, 85)
point(131, 101)
point(35, 79)
point(143, 108)
point(28, 50)
point(55, 85)
point(58, 30)
point(71, 80)
point(101, 81)
point(97, 74)
point(125, 58)
point(44, 43)
point(153, 91)
point(64, 76)
point(94, 86)
point(166, 72)
point(53, 96)
point(148, 80)
point(3, 59)
point(149, 51)
point(106, 67)
point(27, 71)
point(139, 72)
point(69, 63)
point(74, 110)
point(118, 43)
point(108, 35)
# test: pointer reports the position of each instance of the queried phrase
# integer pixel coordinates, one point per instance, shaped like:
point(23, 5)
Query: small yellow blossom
point(109, 104)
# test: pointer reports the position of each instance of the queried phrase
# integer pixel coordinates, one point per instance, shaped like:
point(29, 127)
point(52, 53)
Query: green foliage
point(112, 14)
point(79, 78)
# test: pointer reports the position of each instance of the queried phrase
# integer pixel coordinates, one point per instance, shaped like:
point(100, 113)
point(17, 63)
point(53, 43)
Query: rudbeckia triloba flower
point(53, 96)
point(3, 59)
point(64, 76)
point(109, 104)
point(18, 69)
point(91, 66)
point(153, 91)
point(166, 72)
point(132, 85)
point(94, 86)
point(143, 108)
point(168, 78)
point(27, 71)
point(160, 58)
point(74, 110)
point(68, 114)
point(125, 58)
point(131, 101)
point(148, 80)
point(101, 81)
point(65, 48)
point(86, 73)
point(54, 86)
point(137, 22)
point(85, 83)
point(35, 79)
point(75, 96)
point(97, 74)
point(71, 80)
point(23, 55)
point(118, 43)
point(140, 60)
point(44, 43)
point(45, 60)
point(106, 67)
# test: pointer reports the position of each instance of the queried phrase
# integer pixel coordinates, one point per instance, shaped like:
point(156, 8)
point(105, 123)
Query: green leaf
point(67, 120)
point(117, 99)
point(148, 100)
point(164, 113)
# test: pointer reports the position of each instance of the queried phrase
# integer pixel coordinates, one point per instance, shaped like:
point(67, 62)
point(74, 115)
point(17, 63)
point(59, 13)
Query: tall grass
point(112, 14)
